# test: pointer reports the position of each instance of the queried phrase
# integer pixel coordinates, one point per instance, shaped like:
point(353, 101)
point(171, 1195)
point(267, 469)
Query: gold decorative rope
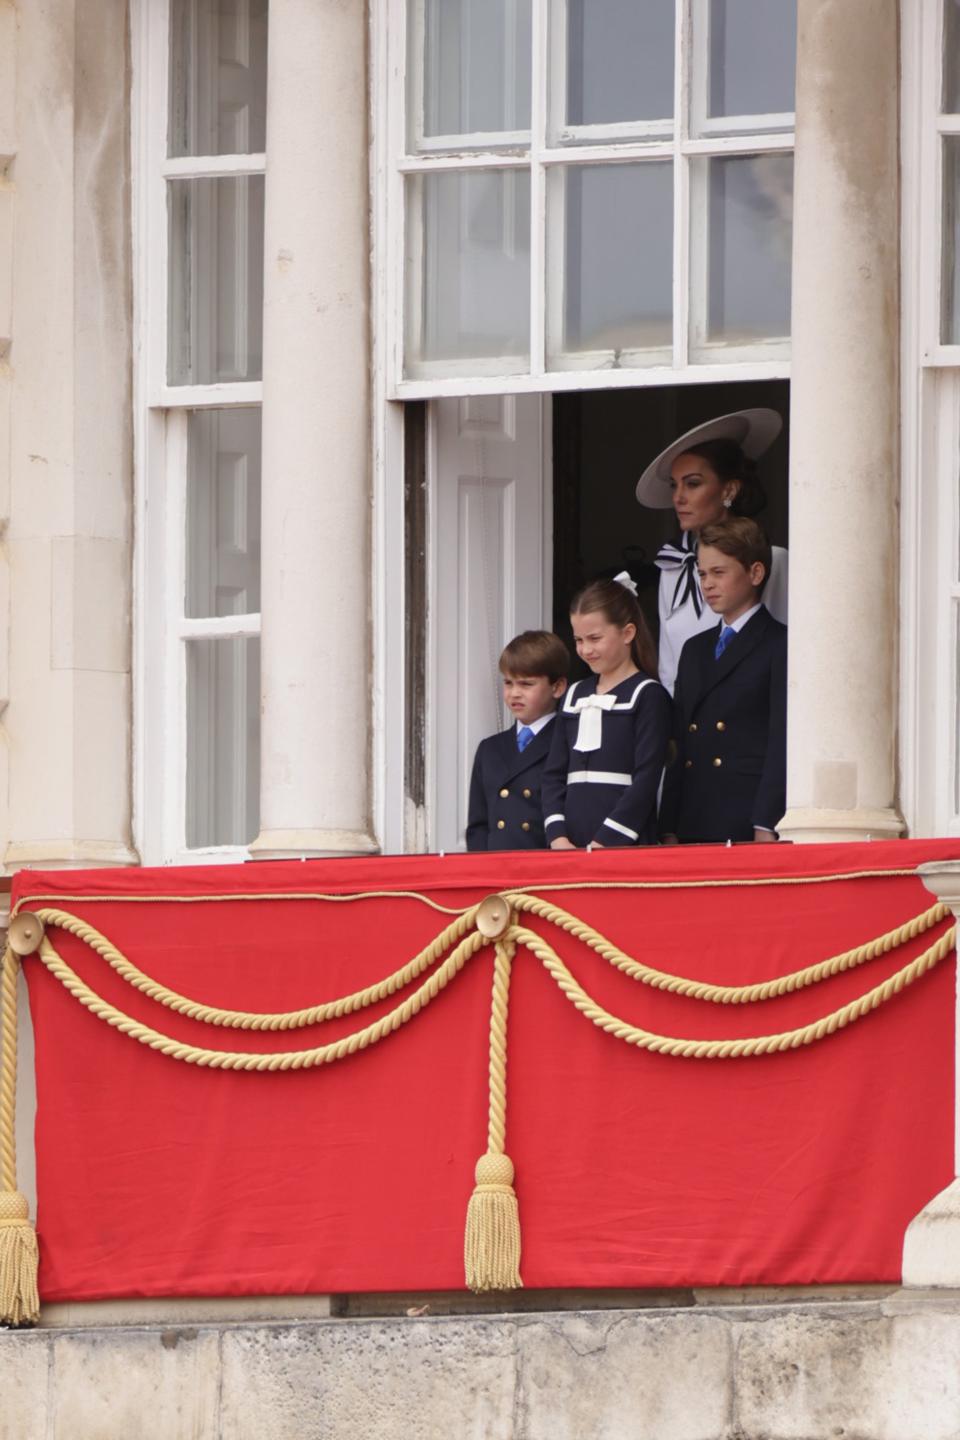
point(734, 1049)
point(19, 1301)
point(728, 994)
point(334, 898)
point(360, 1039)
point(245, 1060)
point(491, 1245)
point(253, 1020)
point(8, 1070)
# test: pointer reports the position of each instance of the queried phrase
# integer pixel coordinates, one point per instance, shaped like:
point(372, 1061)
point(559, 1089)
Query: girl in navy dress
point(611, 734)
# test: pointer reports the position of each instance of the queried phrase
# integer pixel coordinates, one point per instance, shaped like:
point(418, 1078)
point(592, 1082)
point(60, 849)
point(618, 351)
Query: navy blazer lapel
point(516, 761)
point(744, 642)
point(703, 645)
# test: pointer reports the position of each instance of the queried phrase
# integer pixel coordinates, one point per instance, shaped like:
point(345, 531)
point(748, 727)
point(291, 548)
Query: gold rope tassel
point(492, 1242)
point(19, 1301)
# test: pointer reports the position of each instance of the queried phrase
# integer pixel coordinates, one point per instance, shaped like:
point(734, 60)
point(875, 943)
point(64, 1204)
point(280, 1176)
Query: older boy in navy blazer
point(505, 811)
point(728, 781)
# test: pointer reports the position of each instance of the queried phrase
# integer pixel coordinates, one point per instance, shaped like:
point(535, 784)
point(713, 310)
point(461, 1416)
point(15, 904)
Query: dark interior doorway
point(602, 441)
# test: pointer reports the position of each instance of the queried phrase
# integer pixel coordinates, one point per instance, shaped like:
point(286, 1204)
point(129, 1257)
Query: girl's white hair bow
point(625, 580)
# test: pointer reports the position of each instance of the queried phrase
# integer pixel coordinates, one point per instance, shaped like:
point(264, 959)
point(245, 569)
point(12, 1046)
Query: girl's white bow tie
point(590, 709)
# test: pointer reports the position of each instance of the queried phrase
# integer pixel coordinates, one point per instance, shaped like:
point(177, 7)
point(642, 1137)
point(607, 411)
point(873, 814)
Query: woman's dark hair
point(619, 605)
point(727, 460)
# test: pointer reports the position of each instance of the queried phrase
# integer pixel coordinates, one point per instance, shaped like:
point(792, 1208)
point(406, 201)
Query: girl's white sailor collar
point(573, 703)
point(591, 707)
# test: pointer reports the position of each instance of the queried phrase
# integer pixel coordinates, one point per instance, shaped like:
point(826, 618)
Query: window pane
point(218, 77)
point(950, 288)
point(951, 56)
point(742, 248)
point(752, 56)
point(216, 280)
point(475, 58)
point(619, 60)
point(223, 512)
point(223, 742)
point(468, 267)
point(615, 224)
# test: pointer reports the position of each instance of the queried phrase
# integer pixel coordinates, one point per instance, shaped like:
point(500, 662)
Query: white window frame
point(645, 141)
point(161, 413)
point(929, 768)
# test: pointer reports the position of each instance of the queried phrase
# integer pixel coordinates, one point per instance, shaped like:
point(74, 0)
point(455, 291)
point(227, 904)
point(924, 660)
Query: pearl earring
point(727, 503)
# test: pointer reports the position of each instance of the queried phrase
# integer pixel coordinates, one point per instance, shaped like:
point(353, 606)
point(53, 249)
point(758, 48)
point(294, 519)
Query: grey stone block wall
point(879, 1369)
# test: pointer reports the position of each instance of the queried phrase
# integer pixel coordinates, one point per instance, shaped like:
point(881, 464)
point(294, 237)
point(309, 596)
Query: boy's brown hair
point(741, 539)
point(536, 652)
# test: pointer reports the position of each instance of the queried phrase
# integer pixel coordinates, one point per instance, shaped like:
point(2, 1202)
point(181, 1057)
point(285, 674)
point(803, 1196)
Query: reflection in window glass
point(468, 266)
point(223, 742)
point(216, 280)
point(951, 57)
point(619, 60)
point(476, 66)
point(223, 512)
point(218, 77)
point(617, 236)
point(753, 49)
point(950, 287)
point(748, 252)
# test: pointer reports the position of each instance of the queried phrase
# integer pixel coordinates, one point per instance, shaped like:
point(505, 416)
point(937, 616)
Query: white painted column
point(66, 454)
point(844, 430)
point(316, 738)
point(931, 1246)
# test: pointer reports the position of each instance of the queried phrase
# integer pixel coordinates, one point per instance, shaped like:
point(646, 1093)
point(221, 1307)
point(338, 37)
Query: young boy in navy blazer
point(728, 781)
point(505, 811)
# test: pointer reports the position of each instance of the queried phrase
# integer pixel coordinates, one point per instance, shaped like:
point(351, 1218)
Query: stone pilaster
point(844, 432)
point(315, 757)
point(68, 366)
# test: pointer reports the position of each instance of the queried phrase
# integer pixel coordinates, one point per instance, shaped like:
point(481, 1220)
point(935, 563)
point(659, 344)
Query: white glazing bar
point(398, 15)
point(174, 591)
point(619, 130)
point(941, 357)
point(538, 223)
point(212, 855)
point(393, 21)
point(739, 145)
point(602, 154)
point(555, 381)
point(201, 167)
point(477, 140)
point(745, 124)
point(156, 207)
point(424, 164)
point(220, 627)
point(948, 124)
point(205, 397)
point(147, 431)
point(932, 182)
point(681, 186)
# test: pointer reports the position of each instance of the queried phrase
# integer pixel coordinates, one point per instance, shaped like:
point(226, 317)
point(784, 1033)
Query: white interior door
point(490, 493)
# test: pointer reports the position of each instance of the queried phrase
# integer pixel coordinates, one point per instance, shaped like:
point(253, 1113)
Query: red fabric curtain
point(633, 1169)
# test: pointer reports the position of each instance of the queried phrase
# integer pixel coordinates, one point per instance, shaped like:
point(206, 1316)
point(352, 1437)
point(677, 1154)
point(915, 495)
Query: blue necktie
point(726, 635)
point(524, 736)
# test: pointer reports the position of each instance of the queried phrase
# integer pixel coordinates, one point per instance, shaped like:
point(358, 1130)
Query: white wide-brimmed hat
point(753, 430)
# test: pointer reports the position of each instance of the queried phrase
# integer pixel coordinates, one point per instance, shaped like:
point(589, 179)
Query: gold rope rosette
point(492, 1242)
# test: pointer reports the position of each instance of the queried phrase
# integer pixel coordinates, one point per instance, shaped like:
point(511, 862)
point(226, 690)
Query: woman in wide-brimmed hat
point(709, 473)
